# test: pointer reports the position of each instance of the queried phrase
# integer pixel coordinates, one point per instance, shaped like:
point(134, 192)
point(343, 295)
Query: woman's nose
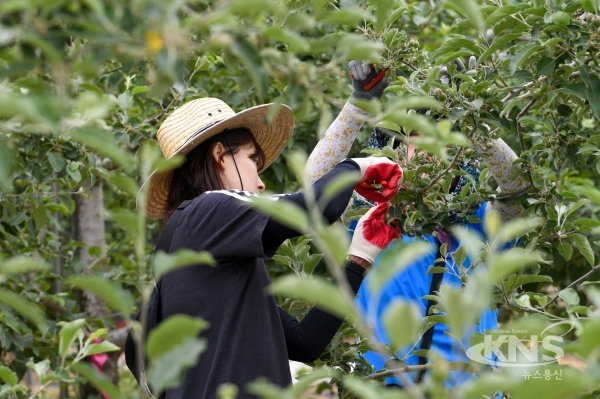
point(261, 185)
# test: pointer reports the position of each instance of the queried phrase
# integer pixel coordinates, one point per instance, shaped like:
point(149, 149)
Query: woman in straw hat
point(249, 335)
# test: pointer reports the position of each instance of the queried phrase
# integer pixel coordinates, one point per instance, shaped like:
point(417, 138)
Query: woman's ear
point(217, 153)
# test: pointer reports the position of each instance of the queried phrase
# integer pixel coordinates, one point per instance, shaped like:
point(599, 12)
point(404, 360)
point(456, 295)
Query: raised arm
point(338, 139)
point(307, 339)
point(506, 173)
point(336, 143)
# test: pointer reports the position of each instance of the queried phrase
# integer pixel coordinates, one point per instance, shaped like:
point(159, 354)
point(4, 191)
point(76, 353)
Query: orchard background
point(84, 84)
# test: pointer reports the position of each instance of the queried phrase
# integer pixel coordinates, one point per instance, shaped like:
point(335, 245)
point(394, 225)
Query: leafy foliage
point(84, 85)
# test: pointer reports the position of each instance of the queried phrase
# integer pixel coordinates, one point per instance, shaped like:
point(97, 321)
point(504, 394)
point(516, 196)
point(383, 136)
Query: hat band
point(199, 131)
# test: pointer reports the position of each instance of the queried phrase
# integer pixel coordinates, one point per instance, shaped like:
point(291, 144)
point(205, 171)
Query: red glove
point(373, 234)
point(381, 171)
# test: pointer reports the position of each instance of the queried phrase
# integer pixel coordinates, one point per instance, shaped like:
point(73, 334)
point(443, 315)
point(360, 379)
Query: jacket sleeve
point(336, 143)
point(507, 174)
point(275, 233)
point(307, 339)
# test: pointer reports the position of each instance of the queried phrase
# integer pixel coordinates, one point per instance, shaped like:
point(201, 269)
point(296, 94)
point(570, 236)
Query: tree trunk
point(90, 230)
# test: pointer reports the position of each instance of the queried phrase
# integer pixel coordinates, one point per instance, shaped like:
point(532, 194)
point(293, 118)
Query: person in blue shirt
point(413, 282)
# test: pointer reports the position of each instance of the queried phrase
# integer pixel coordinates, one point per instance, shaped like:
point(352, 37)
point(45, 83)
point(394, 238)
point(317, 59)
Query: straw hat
point(199, 120)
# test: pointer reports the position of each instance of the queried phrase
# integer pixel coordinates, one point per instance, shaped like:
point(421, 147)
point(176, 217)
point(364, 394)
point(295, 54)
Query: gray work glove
point(362, 76)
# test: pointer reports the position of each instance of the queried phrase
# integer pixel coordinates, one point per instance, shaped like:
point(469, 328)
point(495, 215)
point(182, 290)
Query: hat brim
point(272, 139)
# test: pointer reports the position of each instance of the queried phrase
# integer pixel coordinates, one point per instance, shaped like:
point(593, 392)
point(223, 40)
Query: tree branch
point(393, 372)
point(580, 279)
point(408, 369)
point(164, 111)
point(514, 194)
point(520, 132)
point(452, 163)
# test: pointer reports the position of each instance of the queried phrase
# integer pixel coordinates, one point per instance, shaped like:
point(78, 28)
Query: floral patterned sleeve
point(500, 164)
point(336, 143)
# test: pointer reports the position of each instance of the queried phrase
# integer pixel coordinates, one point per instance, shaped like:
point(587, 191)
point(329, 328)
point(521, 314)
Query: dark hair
point(200, 172)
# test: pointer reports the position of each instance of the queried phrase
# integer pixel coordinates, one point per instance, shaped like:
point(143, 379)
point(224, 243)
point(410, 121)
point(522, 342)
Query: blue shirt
point(411, 284)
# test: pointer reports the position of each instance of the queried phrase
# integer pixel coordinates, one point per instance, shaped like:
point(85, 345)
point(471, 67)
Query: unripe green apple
point(561, 18)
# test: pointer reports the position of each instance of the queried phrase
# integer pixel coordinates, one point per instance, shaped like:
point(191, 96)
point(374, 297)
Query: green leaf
point(336, 241)
point(586, 222)
point(589, 192)
point(545, 66)
point(166, 371)
point(582, 243)
point(525, 279)
point(383, 9)
point(125, 183)
point(412, 122)
point(310, 263)
point(394, 259)
point(523, 55)
point(455, 44)
point(510, 261)
point(99, 333)
point(24, 307)
point(592, 84)
point(566, 250)
point(469, 9)
point(361, 388)
point(173, 332)
point(111, 293)
point(413, 102)
point(102, 347)
point(357, 47)
point(21, 264)
point(105, 145)
point(372, 106)
point(454, 302)
point(590, 6)
point(285, 212)
point(68, 333)
point(460, 255)
point(350, 17)
point(402, 321)
point(315, 289)
point(163, 262)
point(517, 228)
point(6, 167)
point(296, 42)
point(589, 336)
point(262, 388)
point(436, 269)
point(41, 368)
point(252, 63)
point(171, 163)
point(39, 214)
point(336, 186)
point(501, 13)
point(57, 162)
point(498, 43)
point(575, 89)
point(8, 376)
point(471, 240)
point(140, 89)
point(569, 295)
point(301, 385)
point(486, 384)
point(97, 379)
